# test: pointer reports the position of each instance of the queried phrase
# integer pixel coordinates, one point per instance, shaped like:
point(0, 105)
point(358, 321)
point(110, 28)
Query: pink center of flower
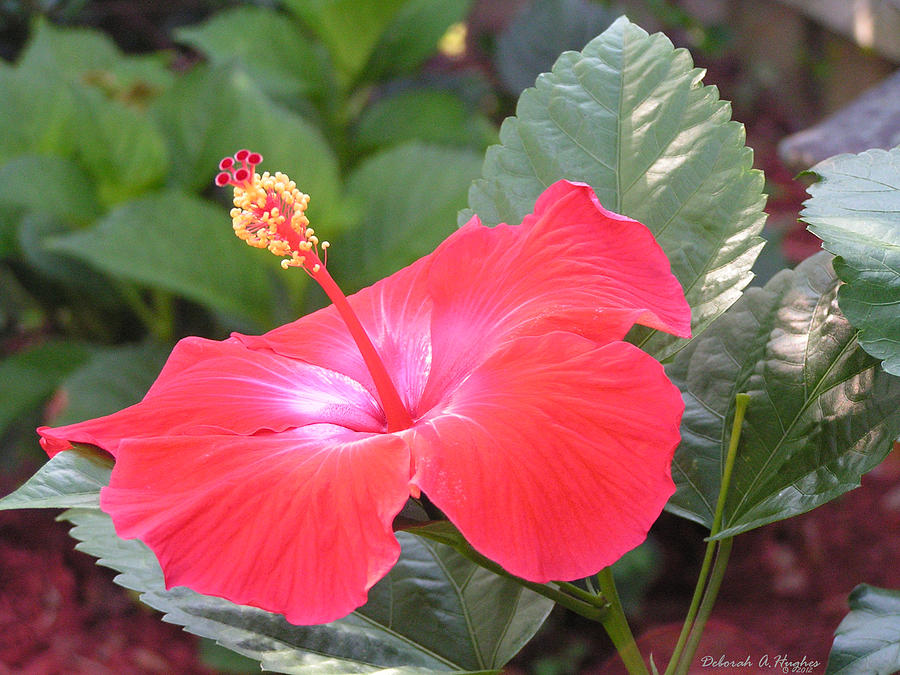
point(269, 212)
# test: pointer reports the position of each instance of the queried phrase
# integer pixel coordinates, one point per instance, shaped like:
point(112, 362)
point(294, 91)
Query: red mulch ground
point(60, 614)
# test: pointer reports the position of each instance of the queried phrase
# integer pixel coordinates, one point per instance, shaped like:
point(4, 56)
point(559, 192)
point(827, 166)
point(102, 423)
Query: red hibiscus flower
point(490, 375)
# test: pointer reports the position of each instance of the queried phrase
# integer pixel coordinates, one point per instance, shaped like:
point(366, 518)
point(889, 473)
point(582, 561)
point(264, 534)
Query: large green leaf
point(29, 376)
point(40, 109)
point(428, 115)
point(212, 112)
point(868, 640)
point(49, 184)
point(409, 197)
point(855, 210)
point(270, 45)
point(434, 611)
point(121, 148)
point(71, 479)
point(86, 56)
point(821, 411)
point(350, 29)
point(180, 243)
point(630, 116)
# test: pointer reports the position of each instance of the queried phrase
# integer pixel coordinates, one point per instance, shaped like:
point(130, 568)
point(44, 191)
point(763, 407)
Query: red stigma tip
point(238, 176)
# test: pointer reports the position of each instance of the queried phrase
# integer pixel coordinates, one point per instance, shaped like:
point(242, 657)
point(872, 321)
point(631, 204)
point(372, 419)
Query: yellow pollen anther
point(269, 212)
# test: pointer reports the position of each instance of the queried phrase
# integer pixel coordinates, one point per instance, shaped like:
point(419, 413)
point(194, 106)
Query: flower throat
point(269, 212)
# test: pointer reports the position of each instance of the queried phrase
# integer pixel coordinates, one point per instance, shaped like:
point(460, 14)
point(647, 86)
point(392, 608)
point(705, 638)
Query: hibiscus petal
point(396, 314)
point(572, 265)
point(222, 387)
point(553, 457)
point(297, 523)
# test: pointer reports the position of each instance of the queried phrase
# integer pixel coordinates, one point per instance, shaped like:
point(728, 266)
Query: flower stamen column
point(269, 212)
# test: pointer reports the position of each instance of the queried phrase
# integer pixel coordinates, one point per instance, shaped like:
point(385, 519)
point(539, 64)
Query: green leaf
point(76, 284)
point(434, 611)
point(29, 376)
point(821, 413)
point(868, 640)
point(48, 184)
point(180, 243)
point(71, 479)
point(40, 109)
point(122, 148)
point(89, 57)
point(212, 112)
point(271, 46)
point(429, 116)
point(630, 116)
point(350, 29)
point(855, 210)
point(537, 35)
point(413, 36)
point(410, 195)
point(114, 378)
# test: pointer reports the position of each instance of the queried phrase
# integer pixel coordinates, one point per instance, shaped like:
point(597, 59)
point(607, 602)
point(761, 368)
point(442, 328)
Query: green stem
point(594, 609)
point(709, 599)
point(695, 606)
point(572, 589)
point(616, 626)
point(705, 593)
point(159, 326)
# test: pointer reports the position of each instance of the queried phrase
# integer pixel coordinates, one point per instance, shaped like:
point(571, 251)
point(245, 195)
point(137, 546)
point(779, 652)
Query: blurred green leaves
point(111, 231)
point(135, 242)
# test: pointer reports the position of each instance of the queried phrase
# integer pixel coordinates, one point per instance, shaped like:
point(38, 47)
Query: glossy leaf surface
point(855, 210)
point(629, 116)
point(70, 480)
point(867, 642)
point(821, 412)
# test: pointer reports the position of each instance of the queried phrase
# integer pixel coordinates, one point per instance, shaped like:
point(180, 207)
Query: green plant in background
point(112, 245)
point(113, 156)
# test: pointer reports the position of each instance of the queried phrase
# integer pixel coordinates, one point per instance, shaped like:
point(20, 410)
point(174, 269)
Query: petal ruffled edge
point(297, 523)
point(572, 265)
